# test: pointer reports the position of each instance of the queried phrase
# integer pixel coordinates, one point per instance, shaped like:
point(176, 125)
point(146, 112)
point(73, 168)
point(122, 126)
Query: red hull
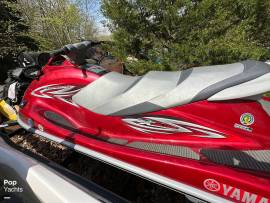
point(217, 127)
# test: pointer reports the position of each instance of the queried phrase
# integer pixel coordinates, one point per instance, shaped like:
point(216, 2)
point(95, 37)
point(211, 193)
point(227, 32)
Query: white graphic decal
point(61, 92)
point(234, 193)
point(170, 126)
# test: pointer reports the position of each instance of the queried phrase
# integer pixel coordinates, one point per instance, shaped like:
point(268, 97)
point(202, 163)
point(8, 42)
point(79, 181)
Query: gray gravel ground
point(129, 186)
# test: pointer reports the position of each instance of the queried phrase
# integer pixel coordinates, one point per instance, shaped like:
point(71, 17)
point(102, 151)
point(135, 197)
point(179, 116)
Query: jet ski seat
point(118, 95)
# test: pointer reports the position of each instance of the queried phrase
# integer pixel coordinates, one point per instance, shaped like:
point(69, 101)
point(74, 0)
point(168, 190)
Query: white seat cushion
point(116, 94)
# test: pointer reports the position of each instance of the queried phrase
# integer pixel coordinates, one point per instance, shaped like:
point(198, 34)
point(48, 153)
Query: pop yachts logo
point(61, 92)
point(162, 125)
point(11, 186)
point(233, 192)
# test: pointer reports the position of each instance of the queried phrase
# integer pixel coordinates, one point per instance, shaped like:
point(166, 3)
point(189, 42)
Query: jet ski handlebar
point(76, 52)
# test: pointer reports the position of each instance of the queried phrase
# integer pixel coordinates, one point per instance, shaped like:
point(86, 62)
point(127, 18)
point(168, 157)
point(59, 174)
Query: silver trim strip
point(181, 187)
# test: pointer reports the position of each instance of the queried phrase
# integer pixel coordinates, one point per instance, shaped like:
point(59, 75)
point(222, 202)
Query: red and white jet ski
point(204, 132)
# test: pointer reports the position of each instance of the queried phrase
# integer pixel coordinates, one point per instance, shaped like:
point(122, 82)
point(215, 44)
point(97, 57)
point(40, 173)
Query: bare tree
point(57, 22)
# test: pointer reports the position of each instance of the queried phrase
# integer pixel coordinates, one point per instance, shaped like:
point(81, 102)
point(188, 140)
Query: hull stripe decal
point(258, 160)
point(173, 150)
point(178, 186)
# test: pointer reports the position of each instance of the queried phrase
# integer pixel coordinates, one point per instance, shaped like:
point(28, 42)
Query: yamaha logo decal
point(212, 185)
point(232, 192)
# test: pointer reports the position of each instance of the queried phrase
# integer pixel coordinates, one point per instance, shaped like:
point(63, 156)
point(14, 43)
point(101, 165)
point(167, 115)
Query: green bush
point(141, 67)
point(14, 31)
point(182, 34)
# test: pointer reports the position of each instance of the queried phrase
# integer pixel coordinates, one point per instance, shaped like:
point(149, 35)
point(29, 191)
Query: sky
point(94, 10)
point(99, 18)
